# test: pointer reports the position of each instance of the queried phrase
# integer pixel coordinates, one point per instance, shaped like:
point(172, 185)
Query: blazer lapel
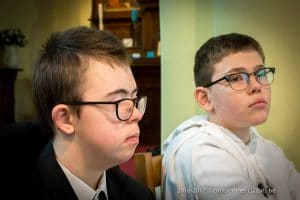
point(114, 183)
point(54, 179)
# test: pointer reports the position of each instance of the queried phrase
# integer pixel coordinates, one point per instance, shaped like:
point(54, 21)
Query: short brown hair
point(58, 71)
point(216, 48)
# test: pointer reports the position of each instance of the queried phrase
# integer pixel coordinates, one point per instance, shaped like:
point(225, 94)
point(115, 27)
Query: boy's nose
point(254, 85)
point(136, 115)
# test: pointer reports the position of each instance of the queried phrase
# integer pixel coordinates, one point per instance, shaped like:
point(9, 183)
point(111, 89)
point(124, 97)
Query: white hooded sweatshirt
point(202, 160)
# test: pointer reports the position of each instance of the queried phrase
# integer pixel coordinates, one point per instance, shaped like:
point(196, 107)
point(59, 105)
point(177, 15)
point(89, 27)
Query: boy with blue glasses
point(221, 155)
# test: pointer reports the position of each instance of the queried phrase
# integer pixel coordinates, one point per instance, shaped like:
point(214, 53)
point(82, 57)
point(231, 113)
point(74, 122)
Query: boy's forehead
point(108, 79)
point(240, 60)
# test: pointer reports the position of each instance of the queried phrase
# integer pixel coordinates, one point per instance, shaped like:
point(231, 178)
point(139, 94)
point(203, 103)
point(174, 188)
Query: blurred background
point(168, 33)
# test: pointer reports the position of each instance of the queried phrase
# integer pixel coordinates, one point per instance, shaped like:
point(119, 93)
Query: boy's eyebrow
point(235, 70)
point(242, 69)
point(121, 91)
point(259, 67)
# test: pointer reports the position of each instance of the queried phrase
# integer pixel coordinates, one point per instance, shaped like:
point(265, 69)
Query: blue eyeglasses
point(241, 80)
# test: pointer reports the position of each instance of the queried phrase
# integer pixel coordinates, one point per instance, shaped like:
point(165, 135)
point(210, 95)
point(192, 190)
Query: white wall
point(178, 37)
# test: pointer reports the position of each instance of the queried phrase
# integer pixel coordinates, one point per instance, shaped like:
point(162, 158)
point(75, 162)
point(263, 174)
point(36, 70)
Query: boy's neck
point(242, 133)
point(66, 154)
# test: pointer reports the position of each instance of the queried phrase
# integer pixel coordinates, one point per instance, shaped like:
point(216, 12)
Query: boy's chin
point(127, 155)
point(259, 120)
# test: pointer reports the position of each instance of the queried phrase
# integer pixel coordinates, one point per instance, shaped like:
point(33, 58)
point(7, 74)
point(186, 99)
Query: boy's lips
point(259, 103)
point(134, 138)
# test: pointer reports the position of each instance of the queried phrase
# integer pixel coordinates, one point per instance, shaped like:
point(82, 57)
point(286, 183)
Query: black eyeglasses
point(124, 107)
point(241, 80)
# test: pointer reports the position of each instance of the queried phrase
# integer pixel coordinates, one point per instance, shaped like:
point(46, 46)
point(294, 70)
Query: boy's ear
point(62, 118)
point(203, 98)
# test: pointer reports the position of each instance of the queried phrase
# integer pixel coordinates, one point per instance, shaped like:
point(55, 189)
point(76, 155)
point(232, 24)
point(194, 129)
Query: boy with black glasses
point(85, 92)
point(221, 155)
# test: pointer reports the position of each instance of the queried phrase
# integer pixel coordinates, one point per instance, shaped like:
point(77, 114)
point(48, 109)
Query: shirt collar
point(252, 135)
point(82, 190)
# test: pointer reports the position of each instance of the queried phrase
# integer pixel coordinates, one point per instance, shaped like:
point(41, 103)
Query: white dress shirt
point(82, 190)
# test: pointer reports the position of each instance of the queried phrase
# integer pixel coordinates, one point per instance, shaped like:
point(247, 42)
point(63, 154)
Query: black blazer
point(26, 173)
point(51, 182)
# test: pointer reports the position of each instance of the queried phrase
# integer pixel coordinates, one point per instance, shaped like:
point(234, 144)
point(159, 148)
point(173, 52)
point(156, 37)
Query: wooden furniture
point(118, 19)
point(144, 30)
point(7, 94)
point(148, 169)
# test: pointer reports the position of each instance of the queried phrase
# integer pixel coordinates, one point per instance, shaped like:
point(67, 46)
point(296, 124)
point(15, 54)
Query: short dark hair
point(216, 48)
point(64, 58)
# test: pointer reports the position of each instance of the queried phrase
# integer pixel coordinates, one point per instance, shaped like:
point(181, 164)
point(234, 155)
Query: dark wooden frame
point(119, 22)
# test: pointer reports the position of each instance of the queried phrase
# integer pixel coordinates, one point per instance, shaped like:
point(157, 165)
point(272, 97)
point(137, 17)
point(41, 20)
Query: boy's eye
point(237, 77)
point(261, 73)
point(129, 109)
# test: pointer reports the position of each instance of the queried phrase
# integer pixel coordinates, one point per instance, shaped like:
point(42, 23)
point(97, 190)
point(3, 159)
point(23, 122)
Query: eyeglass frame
point(116, 103)
point(227, 78)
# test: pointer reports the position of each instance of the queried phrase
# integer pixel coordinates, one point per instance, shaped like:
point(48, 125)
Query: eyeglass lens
point(125, 108)
point(240, 81)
